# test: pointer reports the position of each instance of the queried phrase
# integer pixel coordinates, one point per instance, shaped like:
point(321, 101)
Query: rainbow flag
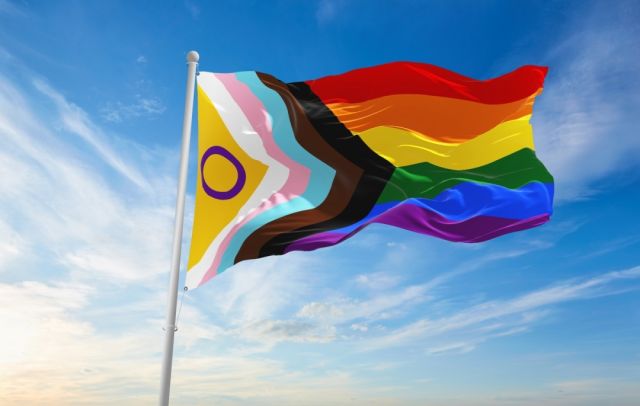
point(299, 166)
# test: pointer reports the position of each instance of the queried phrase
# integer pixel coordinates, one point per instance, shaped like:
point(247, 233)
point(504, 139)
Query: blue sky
point(91, 99)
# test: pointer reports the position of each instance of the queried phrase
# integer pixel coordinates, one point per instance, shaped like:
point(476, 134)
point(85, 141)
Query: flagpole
point(170, 324)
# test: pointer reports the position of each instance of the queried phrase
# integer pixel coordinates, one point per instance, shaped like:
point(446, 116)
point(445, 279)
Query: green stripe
point(427, 181)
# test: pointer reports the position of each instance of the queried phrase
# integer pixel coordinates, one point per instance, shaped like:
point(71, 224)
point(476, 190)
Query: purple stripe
point(420, 220)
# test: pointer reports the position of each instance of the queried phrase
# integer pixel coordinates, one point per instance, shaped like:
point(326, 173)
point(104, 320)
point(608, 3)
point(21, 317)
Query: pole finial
point(193, 56)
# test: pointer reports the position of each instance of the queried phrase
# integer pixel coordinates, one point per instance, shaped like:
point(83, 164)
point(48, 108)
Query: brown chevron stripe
point(339, 194)
point(361, 174)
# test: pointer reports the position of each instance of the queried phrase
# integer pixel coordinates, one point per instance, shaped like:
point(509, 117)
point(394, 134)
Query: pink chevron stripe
point(259, 118)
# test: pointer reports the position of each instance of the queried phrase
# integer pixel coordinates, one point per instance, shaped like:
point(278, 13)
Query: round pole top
point(193, 56)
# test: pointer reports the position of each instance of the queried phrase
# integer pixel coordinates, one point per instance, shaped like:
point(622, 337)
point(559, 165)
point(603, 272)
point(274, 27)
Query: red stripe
point(421, 78)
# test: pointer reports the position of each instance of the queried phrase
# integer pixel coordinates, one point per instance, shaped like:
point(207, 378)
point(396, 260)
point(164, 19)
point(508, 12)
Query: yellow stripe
point(404, 147)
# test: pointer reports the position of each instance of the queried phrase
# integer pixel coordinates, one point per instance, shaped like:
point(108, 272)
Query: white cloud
point(90, 232)
point(506, 316)
point(12, 245)
point(49, 341)
point(456, 348)
point(378, 280)
point(9, 8)
point(57, 338)
point(258, 290)
point(274, 331)
point(65, 219)
point(66, 209)
point(77, 122)
point(142, 106)
point(361, 327)
point(585, 122)
point(327, 10)
point(389, 302)
point(192, 8)
point(33, 310)
point(381, 306)
point(491, 252)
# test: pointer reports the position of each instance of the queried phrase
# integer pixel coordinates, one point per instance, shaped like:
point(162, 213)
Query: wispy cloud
point(258, 291)
point(585, 122)
point(54, 342)
point(56, 339)
point(76, 121)
point(274, 331)
point(460, 347)
point(67, 210)
point(384, 298)
point(12, 245)
point(83, 257)
point(10, 8)
point(87, 233)
point(503, 315)
point(90, 232)
point(378, 280)
point(383, 305)
point(148, 107)
point(193, 8)
point(327, 10)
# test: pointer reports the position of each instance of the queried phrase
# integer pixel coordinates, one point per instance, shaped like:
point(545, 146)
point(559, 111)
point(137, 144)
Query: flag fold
point(298, 166)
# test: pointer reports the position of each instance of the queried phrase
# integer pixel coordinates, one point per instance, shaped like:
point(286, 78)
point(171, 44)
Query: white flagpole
point(170, 324)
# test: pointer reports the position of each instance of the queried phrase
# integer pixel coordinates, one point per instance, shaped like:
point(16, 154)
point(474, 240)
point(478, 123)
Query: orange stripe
point(439, 118)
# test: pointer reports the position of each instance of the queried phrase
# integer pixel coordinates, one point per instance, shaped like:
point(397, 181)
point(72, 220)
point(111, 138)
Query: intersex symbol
point(240, 180)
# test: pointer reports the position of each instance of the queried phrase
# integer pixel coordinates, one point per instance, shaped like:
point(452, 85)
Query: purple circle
point(242, 174)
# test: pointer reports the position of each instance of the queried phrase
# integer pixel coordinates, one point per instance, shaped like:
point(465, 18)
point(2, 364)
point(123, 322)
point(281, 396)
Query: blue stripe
point(469, 199)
